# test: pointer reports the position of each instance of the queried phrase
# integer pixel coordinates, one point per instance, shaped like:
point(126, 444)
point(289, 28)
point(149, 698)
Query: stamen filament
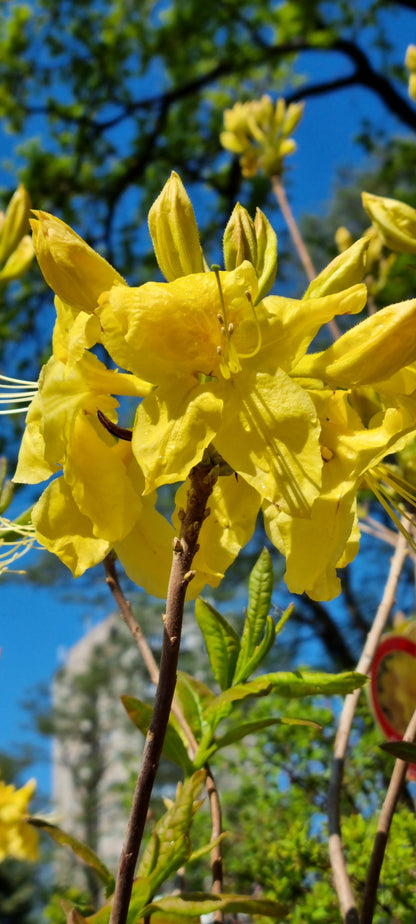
point(16, 392)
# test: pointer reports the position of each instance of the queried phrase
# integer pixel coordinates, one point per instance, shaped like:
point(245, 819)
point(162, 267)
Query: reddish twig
point(341, 879)
point(383, 828)
point(298, 241)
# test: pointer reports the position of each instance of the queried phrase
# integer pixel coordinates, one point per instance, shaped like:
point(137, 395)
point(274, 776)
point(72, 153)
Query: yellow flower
point(222, 368)
point(315, 548)
point(96, 504)
point(259, 130)
point(17, 838)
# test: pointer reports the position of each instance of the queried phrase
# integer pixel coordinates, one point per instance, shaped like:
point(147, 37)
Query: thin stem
point(385, 820)
point(202, 481)
point(126, 614)
point(341, 879)
point(216, 831)
point(298, 241)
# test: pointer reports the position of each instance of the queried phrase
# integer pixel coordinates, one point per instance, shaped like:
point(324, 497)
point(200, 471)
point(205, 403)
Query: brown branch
point(126, 614)
point(341, 879)
point(383, 828)
point(298, 241)
point(216, 831)
point(153, 670)
point(202, 480)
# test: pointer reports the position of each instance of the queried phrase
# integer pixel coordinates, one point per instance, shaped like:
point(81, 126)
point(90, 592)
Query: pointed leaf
point(223, 643)
point(289, 684)
point(81, 850)
point(173, 747)
point(172, 834)
point(194, 698)
point(260, 595)
point(190, 904)
point(405, 750)
point(249, 728)
point(260, 651)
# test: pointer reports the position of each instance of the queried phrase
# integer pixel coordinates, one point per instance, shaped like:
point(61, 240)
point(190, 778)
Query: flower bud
point(395, 221)
point(75, 272)
point(174, 232)
point(239, 239)
point(266, 264)
point(343, 238)
point(347, 269)
point(19, 260)
point(14, 223)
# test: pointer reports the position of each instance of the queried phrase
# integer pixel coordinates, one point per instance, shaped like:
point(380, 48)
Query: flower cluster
point(259, 131)
point(211, 365)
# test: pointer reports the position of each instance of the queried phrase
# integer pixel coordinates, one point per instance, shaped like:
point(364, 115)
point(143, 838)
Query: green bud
point(174, 232)
point(266, 265)
point(239, 239)
point(347, 269)
point(394, 220)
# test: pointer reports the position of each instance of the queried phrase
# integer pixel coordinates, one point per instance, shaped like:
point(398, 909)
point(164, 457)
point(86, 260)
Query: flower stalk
point(202, 479)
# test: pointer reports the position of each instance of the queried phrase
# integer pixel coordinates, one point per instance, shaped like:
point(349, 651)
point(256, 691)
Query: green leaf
point(173, 747)
point(194, 698)
point(260, 651)
point(249, 728)
point(260, 595)
point(170, 847)
point(198, 903)
point(405, 750)
point(202, 851)
point(81, 850)
point(223, 643)
point(289, 684)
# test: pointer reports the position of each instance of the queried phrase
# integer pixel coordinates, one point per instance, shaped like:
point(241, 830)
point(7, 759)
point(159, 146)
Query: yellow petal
point(64, 530)
point(146, 552)
point(292, 325)
point(372, 351)
point(162, 330)
point(71, 267)
point(173, 426)
point(99, 482)
point(270, 434)
point(32, 464)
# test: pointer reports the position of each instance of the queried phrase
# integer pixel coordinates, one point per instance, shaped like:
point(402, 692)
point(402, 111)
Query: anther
point(219, 351)
point(220, 318)
point(231, 328)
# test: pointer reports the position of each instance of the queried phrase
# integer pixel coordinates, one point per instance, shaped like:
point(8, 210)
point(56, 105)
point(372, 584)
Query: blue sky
point(40, 623)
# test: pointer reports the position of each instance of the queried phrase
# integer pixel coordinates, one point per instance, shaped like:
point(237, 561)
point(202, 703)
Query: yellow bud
point(347, 269)
point(410, 59)
point(15, 223)
point(412, 86)
point(71, 267)
point(174, 232)
point(239, 239)
point(394, 220)
point(266, 264)
point(343, 239)
point(19, 260)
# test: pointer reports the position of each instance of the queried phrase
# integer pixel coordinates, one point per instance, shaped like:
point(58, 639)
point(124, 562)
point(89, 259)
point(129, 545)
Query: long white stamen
point(16, 392)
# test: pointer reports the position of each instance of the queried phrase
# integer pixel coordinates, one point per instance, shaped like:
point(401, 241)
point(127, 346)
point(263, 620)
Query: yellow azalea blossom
point(222, 368)
point(96, 504)
point(259, 131)
point(17, 838)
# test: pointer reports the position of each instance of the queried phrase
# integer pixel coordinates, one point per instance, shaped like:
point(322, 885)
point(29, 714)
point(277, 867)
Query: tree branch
point(336, 853)
point(202, 480)
point(385, 820)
